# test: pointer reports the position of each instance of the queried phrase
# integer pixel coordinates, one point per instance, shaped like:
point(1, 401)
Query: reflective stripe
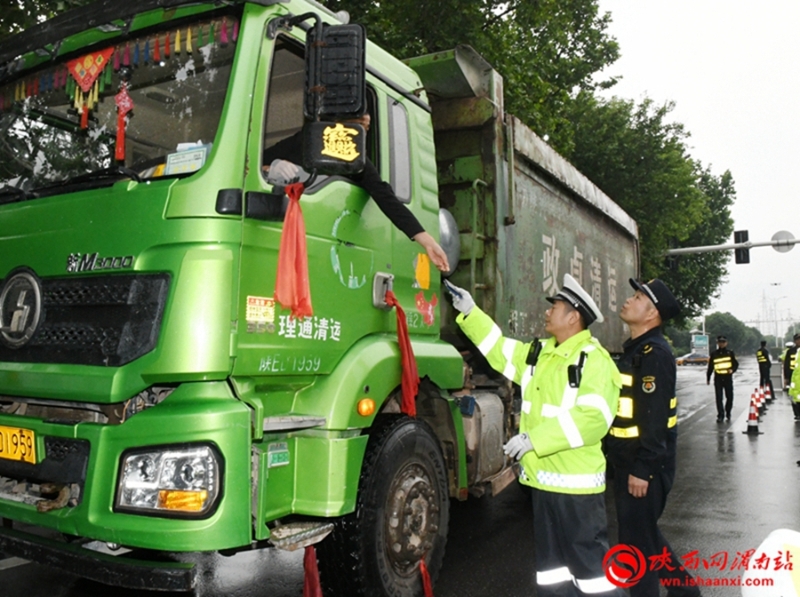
point(596, 401)
point(589, 481)
point(527, 376)
point(554, 576)
point(672, 421)
point(550, 410)
point(594, 585)
point(526, 407)
point(570, 429)
point(624, 432)
point(673, 403)
point(627, 380)
point(625, 407)
point(490, 340)
point(508, 352)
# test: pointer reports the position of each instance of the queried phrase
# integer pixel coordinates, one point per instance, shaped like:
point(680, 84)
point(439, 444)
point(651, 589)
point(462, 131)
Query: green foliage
point(18, 15)
point(544, 49)
point(640, 160)
point(742, 339)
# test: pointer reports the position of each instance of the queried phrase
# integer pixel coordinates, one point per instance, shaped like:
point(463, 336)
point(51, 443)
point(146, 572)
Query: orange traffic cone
point(752, 419)
point(762, 401)
point(768, 394)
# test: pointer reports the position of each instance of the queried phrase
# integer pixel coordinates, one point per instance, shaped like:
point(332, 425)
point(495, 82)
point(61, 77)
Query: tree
point(18, 15)
point(544, 49)
point(639, 158)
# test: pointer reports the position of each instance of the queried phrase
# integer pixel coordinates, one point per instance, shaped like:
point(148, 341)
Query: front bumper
point(120, 571)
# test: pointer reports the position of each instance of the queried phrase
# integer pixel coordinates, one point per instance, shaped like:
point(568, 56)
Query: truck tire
point(402, 514)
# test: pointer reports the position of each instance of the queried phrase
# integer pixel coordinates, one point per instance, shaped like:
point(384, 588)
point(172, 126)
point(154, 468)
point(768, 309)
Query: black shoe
point(719, 419)
point(728, 418)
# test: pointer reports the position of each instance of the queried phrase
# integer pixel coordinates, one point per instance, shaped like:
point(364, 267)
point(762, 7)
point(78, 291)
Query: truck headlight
point(181, 480)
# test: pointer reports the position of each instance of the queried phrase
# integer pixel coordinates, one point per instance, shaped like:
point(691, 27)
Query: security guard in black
point(641, 445)
point(723, 364)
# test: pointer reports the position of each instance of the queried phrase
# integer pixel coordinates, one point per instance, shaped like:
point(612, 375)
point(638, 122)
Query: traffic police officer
point(790, 364)
point(764, 365)
point(723, 364)
point(641, 444)
point(570, 388)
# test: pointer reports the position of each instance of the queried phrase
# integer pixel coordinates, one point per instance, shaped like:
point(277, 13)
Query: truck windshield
point(145, 108)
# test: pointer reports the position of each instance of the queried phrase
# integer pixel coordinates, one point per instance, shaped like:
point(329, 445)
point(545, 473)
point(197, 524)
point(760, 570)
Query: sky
point(732, 68)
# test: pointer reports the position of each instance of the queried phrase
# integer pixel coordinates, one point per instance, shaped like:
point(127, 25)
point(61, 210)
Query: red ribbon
point(426, 579)
point(292, 289)
point(409, 380)
point(311, 586)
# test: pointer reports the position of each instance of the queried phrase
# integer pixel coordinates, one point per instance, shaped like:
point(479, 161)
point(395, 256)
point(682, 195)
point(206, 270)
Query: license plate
point(17, 444)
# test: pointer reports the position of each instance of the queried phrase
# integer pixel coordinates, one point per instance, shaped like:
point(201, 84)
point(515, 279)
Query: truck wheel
point(402, 513)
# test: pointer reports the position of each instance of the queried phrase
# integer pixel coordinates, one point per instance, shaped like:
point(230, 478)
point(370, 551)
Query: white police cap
point(572, 293)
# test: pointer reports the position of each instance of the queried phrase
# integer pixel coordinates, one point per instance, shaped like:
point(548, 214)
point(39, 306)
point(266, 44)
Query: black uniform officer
point(790, 362)
point(764, 365)
point(723, 364)
point(641, 444)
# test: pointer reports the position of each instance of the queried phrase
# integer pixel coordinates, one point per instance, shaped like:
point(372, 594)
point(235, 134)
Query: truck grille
point(95, 320)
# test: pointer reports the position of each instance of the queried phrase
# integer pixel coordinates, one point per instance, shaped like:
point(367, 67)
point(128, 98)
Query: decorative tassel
point(124, 105)
point(166, 46)
point(409, 376)
point(146, 51)
point(189, 40)
point(136, 54)
point(116, 59)
point(126, 59)
point(235, 30)
point(223, 34)
point(156, 51)
point(177, 42)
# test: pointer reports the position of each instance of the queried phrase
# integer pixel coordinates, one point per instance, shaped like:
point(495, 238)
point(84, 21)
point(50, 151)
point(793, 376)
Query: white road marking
point(9, 563)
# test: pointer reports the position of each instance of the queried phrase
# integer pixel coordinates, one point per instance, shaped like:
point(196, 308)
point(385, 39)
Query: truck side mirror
point(336, 85)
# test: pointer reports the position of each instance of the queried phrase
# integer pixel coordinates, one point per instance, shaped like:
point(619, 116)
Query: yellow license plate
point(17, 444)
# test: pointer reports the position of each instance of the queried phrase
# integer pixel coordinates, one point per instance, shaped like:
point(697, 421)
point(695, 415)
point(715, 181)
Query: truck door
point(348, 241)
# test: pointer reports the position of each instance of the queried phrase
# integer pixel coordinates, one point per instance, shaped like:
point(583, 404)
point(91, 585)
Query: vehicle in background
point(692, 358)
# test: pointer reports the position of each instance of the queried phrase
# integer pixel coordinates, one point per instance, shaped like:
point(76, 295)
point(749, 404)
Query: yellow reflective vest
point(794, 385)
point(565, 424)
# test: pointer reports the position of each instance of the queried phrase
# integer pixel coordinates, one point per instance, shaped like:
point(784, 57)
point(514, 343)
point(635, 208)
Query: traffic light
point(741, 255)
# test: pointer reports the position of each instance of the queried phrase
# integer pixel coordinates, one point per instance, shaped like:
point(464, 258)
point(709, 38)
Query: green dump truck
point(153, 394)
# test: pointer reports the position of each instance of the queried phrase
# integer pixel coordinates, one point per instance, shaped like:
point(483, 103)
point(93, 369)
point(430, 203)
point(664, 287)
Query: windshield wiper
point(9, 194)
point(112, 172)
point(90, 180)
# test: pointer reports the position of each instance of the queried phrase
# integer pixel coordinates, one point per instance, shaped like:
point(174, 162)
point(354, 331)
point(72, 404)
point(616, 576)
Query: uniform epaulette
point(647, 348)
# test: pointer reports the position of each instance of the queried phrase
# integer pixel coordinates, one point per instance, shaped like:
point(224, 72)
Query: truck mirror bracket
point(380, 284)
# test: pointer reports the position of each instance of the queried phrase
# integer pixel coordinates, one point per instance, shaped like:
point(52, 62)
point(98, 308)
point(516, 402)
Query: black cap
point(721, 339)
point(763, 343)
point(665, 302)
point(571, 292)
point(796, 336)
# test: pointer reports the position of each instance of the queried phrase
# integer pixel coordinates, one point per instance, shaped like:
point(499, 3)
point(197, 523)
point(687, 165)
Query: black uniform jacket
point(721, 353)
point(762, 356)
point(787, 363)
point(291, 149)
point(649, 362)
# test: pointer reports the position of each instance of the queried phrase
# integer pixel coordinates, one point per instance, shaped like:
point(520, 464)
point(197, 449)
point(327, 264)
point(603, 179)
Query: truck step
point(296, 535)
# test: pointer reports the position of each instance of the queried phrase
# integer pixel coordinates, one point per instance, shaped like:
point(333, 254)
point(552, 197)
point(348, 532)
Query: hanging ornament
point(156, 51)
point(124, 106)
point(235, 30)
point(116, 59)
point(188, 40)
point(146, 51)
point(223, 35)
point(136, 53)
point(166, 46)
point(126, 58)
point(178, 42)
point(85, 71)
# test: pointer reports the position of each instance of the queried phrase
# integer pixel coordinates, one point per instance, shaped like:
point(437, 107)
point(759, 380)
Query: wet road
point(731, 491)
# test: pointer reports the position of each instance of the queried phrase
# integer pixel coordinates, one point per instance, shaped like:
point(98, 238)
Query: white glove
point(518, 446)
point(462, 300)
point(283, 172)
